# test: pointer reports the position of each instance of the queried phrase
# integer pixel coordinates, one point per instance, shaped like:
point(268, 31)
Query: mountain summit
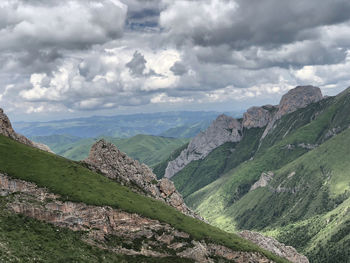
point(227, 129)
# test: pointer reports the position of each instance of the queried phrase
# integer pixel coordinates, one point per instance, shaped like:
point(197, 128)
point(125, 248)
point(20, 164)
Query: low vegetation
point(76, 183)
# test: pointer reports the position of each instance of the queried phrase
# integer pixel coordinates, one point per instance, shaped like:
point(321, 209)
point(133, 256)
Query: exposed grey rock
point(106, 158)
point(257, 117)
point(295, 99)
point(307, 146)
point(332, 132)
point(101, 222)
point(223, 129)
point(42, 147)
point(7, 130)
point(274, 246)
point(264, 180)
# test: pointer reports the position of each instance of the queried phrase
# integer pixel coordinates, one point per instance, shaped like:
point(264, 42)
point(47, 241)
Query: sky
point(65, 59)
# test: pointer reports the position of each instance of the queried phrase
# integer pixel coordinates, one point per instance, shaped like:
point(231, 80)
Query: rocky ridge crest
point(107, 159)
point(297, 98)
point(223, 129)
point(7, 130)
point(137, 235)
point(227, 129)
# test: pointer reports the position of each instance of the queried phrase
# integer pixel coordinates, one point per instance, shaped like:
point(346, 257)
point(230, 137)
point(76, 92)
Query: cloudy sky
point(72, 58)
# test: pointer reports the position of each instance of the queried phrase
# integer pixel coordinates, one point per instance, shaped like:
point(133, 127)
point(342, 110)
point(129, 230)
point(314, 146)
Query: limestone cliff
point(223, 129)
point(106, 158)
point(7, 130)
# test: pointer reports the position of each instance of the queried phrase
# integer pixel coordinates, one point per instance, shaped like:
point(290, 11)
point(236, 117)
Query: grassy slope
point(145, 148)
point(200, 173)
point(220, 201)
point(186, 131)
point(76, 183)
point(149, 149)
point(159, 169)
point(27, 240)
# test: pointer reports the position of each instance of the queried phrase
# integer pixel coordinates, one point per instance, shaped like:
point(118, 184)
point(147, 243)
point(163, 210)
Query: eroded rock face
point(295, 99)
point(106, 158)
point(7, 130)
point(264, 180)
point(275, 247)
point(258, 117)
point(136, 235)
point(226, 129)
point(223, 129)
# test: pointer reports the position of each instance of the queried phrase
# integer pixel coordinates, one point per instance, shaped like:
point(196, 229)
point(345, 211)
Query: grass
point(200, 173)
point(76, 183)
point(321, 182)
point(27, 240)
point(159, 169)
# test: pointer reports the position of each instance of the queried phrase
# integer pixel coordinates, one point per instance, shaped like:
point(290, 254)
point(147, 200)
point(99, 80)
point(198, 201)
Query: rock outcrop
point(275, 247)
point(258, 117)
point(106, 158)
point(7, 130)
point(295, 99)
point(223, 129)
point(264, 180)
point(134, 235)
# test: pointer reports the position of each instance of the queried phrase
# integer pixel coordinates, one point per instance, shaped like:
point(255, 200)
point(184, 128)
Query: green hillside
point(200, 173)
point(27, 240)
point(147, 149)
point(187, 131)
point(315, 184)
point(78, 184)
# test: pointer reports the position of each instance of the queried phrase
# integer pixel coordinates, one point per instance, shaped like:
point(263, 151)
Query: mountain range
point(273, 186)
point(181, 124)
point(281, 170)
point(106, 208)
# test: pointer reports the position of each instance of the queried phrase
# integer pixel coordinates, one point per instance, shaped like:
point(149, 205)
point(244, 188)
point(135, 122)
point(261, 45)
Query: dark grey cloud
point(137, 64)
point(143, 15)
point(179, 69)
point(105, 55)
point(73, 24)
point(244, 23)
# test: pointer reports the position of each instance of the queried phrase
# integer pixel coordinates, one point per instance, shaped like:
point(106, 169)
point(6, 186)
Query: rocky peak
point(223, 129)
point(295, 99)
point(258, 117)
point(298, 98)
point(7, 130)
point(106, 158)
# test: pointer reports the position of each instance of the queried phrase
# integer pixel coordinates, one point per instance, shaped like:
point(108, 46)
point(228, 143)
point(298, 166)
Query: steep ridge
point(296, 185)
point(112, 217)
point(105, 158)
point(110, 228)
point(7, 130)
point(223, 129)
point(257, 123)
point(296, 98)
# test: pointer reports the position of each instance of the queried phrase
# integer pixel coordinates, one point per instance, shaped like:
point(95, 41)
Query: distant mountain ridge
point(123, 126)
point(147, 149)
